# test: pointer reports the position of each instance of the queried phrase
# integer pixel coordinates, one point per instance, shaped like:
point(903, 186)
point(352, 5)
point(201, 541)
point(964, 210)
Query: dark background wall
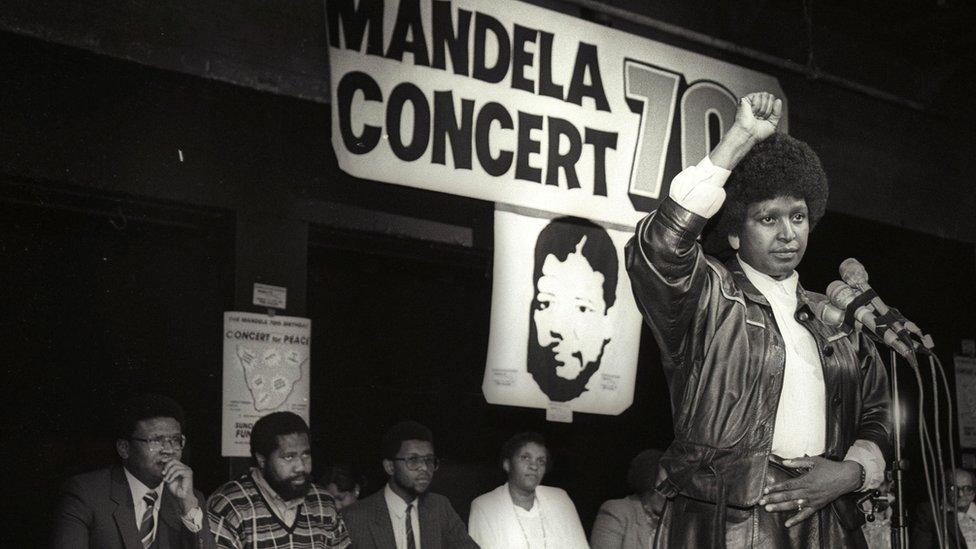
point(117, 260)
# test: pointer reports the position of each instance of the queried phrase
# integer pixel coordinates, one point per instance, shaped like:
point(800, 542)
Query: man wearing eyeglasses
point(275, 504)
point(960, 517)
point(147, 501)
point(404, 514)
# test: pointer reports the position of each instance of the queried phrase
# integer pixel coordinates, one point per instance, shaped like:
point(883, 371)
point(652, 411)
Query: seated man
point(522, 513)
point(148, 500)
point(404, 515)
point(630, 522)
point(960, 518)
point(340, 482)
point(275, 504)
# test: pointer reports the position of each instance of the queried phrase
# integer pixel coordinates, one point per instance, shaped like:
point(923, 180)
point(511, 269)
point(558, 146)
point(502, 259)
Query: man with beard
point(575, 277)
point(275, 504)
point(404, 514)
point(147, 501)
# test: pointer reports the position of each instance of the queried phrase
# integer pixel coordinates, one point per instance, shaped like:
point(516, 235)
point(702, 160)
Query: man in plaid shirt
point(275, 504)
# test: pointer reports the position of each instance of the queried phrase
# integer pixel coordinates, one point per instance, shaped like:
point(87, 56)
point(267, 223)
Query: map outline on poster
point(266, 368)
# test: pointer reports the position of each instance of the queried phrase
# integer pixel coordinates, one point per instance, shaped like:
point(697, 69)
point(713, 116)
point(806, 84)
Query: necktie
point(411, 544)
point(148, 523)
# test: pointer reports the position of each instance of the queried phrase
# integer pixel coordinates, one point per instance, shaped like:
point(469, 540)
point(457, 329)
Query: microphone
point(827, 313)
point(855, 275)
point(841, 295)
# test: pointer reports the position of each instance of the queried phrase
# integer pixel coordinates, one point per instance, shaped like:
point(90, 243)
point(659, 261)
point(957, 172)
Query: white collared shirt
point(967, 524)
point(193, 520)
point(801, 416)
point(699, 189)
point(139, 491)
point(398, 513)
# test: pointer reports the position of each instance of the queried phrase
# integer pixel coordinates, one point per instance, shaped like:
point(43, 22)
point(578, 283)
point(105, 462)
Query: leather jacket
point(724, 358)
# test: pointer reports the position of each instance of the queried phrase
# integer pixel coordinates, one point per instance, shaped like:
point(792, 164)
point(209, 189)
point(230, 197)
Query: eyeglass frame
point(964, 488)
point(157, 444)
point(433, 462)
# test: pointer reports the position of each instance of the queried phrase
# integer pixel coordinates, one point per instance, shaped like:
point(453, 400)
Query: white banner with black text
point(516, 104)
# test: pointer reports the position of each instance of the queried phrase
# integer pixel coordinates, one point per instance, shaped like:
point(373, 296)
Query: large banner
point(266, 370)
point(516, 104)
point(565, 330)
point(966, 400)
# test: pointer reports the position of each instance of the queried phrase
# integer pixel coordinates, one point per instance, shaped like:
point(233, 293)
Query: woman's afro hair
point(778, 166)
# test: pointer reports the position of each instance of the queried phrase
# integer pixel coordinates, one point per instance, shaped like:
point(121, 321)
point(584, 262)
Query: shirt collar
point(969, 512)
point(767, 285)
point(138, 489)
point(270, 494)
point(395, 503)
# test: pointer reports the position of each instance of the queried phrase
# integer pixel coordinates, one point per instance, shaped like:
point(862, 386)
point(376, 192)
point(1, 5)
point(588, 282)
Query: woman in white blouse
point(521, 514)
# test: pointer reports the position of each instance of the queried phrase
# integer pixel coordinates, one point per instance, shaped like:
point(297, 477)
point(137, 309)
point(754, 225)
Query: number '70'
point(707, 109)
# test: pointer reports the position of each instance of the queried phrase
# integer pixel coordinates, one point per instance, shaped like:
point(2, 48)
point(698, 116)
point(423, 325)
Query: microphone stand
point(899, 528)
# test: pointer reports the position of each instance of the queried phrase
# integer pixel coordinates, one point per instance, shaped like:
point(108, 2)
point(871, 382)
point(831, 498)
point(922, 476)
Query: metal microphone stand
point(899, 528)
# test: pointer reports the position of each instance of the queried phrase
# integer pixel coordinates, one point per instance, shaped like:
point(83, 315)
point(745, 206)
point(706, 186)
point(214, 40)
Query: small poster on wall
point(266, 369)
point(966, 400)
point(565, 330)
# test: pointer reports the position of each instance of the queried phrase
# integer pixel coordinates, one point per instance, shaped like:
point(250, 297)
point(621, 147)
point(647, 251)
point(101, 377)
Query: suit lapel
point(125, 514)
point(429, 534)
point(382, 529)
point(169, 519)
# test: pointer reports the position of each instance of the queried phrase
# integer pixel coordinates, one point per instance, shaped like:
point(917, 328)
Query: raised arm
point(665, 262)
point(756, 119)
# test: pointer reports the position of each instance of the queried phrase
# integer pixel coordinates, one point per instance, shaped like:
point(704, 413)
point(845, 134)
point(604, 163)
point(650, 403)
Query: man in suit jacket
point(146, 502)
point(631, 522)
point(403, 514)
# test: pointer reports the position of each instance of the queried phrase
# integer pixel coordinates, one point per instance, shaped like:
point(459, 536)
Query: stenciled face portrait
point(288, 470)
point(575, 280)
point(527, 467)
point(773, 236)
point(154, 443)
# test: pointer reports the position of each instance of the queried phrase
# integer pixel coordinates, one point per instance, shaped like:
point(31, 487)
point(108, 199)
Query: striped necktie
point(411, 544)
point(147, 526)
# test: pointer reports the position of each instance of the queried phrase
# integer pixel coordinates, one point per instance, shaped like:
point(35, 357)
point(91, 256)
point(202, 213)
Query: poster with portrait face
point(565, 330)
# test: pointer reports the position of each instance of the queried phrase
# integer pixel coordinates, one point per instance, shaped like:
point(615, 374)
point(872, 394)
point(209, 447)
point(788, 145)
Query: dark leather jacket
point(724, 358)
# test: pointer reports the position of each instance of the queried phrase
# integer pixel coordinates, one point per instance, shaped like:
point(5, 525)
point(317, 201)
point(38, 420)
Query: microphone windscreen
point(827, 313)
point(853, 272)
point(834, 288)
point(842, 294)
